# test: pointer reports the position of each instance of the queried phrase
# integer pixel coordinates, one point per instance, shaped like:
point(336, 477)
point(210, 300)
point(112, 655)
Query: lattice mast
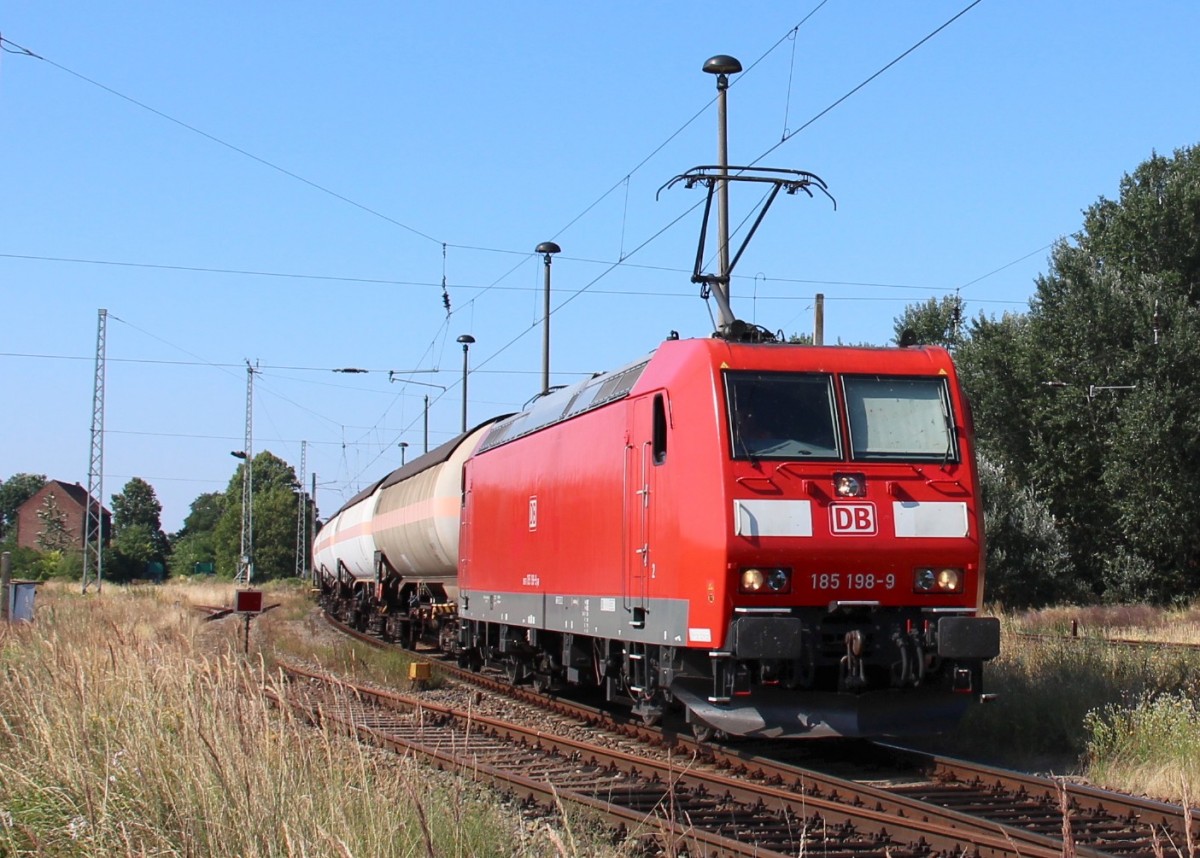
point(302, 517)
point(246, 560)
point(93, 530)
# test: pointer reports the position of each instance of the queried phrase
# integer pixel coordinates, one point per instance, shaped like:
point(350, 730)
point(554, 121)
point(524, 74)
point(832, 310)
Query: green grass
point(1154, 741)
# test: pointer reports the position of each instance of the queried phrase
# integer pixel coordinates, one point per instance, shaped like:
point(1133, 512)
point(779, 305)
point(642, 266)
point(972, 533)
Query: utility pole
point(5, 583)
point(302, 517)
point(93, 531)
point(466, 340)
point(722, 66)
point(547, 249)
point(819, 321)
point(312, 523)
point(246, 561)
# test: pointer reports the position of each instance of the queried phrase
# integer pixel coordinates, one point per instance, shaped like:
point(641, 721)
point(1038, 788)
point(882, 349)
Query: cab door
point(645, 451)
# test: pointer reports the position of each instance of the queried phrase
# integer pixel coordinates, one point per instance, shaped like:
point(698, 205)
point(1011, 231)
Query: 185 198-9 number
point(852, 581)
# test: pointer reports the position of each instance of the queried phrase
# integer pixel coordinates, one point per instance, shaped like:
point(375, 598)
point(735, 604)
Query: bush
point(1028, 563)
point(1155, 742)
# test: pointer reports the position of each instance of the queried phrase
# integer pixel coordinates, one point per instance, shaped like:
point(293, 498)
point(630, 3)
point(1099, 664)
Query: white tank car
point(411, 517)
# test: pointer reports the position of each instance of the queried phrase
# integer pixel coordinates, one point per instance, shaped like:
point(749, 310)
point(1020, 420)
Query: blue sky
point(352, 156)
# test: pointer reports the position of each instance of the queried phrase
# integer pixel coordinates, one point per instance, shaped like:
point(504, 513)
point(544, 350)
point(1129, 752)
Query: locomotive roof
point(566, 402)
point(603, 388)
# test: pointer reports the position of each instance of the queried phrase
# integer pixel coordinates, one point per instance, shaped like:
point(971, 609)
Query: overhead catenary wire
point(787, 137)
point(790, 34)
point(587, 288)
point(13, 47)
point(1004, 267)
point(209, 437)
point(265, 366)
point(910, 50)
point(23, 50)
point(220, 142)
point(495, 285)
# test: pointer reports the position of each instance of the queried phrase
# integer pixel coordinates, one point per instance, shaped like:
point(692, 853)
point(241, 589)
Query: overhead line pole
point(547, 249)
point(722, 66)
point(93, 531)
point(246, 561)
point(302, 517)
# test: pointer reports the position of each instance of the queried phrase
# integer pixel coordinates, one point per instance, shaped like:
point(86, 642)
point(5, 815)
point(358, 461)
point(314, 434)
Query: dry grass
point(128, 726)
point(1121, 716)
point(1122, 622)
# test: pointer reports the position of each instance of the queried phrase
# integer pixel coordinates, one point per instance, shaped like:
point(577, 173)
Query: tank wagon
point(784, 540)
point(387, 561)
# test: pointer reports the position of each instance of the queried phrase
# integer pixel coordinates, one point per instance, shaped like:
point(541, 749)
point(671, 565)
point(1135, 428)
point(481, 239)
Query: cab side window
point(659, 440)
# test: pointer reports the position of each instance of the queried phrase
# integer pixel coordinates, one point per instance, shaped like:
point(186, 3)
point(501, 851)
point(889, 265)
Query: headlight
point(937, 580)
point(773, 581)
point(949, 580)
point(752, 580)
point(779, 580)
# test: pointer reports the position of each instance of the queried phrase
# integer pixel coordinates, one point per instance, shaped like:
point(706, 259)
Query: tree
point(135, 550)
point(13, 492)
point(53, 534)
point(1027, 559)
point(274, 507)
point(196, 542)
point(136, 503)
point(995, 367)
point(189, 550)
point(936, 322)
point(205, 512)
point(1092, 399)
point(138, 540)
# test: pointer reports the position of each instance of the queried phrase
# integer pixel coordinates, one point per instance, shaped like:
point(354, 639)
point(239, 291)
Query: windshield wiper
point(949, 438)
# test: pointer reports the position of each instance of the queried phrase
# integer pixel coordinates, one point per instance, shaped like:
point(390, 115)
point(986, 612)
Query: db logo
point(857, 519)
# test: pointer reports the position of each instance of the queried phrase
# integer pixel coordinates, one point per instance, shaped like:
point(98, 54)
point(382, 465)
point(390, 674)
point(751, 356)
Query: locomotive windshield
point(781, 415)
point(899, 418)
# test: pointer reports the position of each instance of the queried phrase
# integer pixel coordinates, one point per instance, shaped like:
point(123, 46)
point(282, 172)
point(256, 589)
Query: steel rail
point(924, 829)
point(1100, 822)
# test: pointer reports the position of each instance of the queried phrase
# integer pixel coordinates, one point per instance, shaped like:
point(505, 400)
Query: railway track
point(1082, 818)
point(1028, 813)
point(673, 802)
point(1084, 639)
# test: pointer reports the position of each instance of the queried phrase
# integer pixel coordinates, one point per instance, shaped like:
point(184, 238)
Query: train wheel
point(514, 670)
point(406, 637)
point(471, 660)
point(704, 733)
point(545, 674)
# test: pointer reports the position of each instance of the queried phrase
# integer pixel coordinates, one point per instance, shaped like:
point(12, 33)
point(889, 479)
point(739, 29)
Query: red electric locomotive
point(785, 539)
point(780, 539)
